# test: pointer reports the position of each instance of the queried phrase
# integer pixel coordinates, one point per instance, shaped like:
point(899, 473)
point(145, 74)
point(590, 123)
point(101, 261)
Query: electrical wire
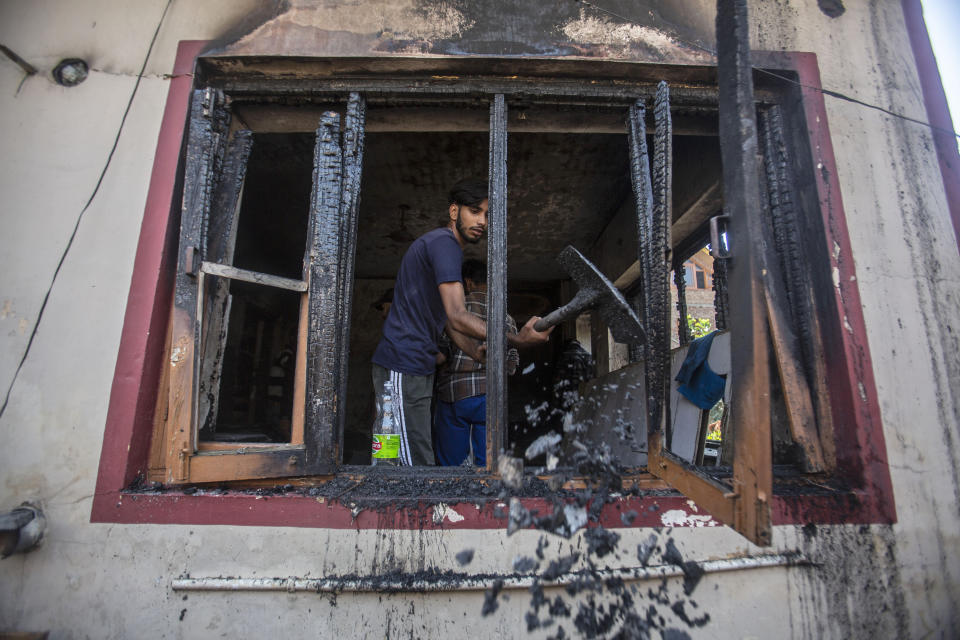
point(76, 226)
point(833, 94)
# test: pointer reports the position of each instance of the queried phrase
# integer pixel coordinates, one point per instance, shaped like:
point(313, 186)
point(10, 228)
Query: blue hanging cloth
point(698, 383)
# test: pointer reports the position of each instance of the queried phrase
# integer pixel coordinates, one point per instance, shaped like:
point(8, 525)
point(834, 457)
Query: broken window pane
point(255, 364)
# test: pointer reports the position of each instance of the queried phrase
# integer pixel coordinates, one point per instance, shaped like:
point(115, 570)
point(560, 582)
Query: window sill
point(361, 497)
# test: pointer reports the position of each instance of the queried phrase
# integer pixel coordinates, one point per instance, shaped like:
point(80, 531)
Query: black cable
point(76, 226)
point(827, 92)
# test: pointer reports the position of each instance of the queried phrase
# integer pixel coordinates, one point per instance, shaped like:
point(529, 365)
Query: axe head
point(614, 309)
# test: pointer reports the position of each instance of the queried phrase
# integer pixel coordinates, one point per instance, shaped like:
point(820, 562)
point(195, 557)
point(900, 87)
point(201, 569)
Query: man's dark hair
point(475, 270)
point(469, 192)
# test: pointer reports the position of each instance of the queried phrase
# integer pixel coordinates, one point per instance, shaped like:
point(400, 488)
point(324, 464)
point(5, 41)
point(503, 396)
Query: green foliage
point(699, 327)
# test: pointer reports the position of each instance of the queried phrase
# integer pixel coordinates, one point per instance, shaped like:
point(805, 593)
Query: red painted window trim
point(133, 396)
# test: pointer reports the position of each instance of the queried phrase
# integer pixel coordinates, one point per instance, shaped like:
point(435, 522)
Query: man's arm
point(473, 348)
point(528, 336)
point(458, 318)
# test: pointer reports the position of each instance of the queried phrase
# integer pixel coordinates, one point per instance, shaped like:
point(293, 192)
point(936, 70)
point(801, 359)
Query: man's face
point(471, 222)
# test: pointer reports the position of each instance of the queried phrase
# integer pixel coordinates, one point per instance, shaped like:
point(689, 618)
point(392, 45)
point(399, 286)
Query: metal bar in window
point(233, 273)
point(497, 283)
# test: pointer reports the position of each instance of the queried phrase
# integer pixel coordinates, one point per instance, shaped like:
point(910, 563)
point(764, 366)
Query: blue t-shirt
point(417, 317)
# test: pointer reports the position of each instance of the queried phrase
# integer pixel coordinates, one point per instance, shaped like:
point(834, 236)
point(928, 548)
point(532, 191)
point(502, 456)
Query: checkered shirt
point(462, 376)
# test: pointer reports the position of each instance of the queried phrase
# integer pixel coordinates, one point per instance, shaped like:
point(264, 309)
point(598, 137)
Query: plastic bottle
point(386, 440)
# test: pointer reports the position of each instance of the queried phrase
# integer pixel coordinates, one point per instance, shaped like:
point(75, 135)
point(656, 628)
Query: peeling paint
point(443, 510)
point(177, 354)
point(680, 518)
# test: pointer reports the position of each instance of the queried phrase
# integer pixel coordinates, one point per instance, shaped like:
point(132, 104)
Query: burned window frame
point(620, 93)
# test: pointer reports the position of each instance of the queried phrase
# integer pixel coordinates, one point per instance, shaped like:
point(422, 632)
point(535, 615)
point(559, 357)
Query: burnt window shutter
point(744, 504)
point(338, 159)
point(206, 142)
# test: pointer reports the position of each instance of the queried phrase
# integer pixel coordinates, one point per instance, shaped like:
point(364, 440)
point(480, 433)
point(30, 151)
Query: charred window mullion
point(497, 282)
point(353, 146)
point(322, 270)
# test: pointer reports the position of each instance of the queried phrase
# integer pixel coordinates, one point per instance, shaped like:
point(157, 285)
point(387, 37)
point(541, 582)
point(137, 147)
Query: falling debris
point(525, 564)
point(519, 517)
point(490, 603)
point(511, 471)
point(692, 572)
point(544, 444)
point(465, 557)
point(560, 566)
point(600, 541)
point(646, 548)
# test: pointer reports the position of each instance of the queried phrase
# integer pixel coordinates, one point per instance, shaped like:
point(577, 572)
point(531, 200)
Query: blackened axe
point(595, 292)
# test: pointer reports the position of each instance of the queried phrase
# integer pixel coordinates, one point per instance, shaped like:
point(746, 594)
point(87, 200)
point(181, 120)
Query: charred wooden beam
point(643, 203)
point(323, 385)
point(536, 118)
point(353, 145)
point(721, 303)
point(753, 464)
point(660, 257)
point(497, 282)
point(783, 214)
point(680, 281)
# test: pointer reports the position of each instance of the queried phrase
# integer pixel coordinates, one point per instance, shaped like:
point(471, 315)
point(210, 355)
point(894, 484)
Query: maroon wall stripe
point(938, 113)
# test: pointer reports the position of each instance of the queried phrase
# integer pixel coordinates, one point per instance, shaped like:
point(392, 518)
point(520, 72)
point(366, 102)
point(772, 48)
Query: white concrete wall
point(114, 581)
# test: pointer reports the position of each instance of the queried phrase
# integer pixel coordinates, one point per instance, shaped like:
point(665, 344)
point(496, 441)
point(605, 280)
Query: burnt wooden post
point(321, 270)
point(497, 283)
point(721, 304)
point(661, 254)
point(652, 199)
point(750, 403)
point(353, 144)
point(680, 281)
point(643, 202)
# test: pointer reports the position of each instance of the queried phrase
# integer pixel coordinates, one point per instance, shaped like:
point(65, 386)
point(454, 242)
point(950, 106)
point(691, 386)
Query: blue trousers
point(456, 426)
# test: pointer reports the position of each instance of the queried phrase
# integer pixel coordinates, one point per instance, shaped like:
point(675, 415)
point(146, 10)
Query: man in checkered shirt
point(460, 420)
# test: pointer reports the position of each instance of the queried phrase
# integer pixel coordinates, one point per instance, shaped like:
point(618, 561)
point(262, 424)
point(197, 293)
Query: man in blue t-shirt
point(428, 297)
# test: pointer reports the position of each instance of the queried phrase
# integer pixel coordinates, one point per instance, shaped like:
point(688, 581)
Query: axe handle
point(581, 301)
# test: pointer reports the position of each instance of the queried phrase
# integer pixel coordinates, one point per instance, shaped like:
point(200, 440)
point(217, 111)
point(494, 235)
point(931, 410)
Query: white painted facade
point(118, 581)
